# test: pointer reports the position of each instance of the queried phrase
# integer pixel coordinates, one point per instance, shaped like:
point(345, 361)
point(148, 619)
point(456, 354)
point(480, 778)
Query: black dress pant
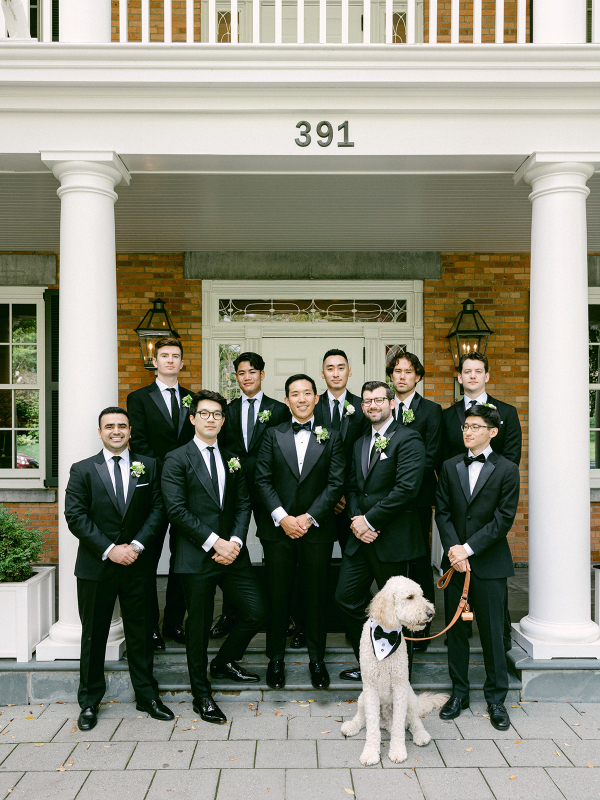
point(421, 571)
point(238, 581)
point(342, 524)
point(174, 611)
point(96, 600)
point(487, 599)
point(312, 560)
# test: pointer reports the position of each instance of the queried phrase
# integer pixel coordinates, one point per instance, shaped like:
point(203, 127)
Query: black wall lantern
point(155, 325)
point(469, 333)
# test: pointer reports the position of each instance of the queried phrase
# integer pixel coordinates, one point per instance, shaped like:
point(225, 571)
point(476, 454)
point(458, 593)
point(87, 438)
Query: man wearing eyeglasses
point(206, 497)
point(476, 503)
point(384, 481)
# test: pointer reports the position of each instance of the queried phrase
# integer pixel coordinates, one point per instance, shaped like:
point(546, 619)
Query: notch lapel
point(388, 435)
point(314, 451)
point(104, 474)
point(463, 477)
point(133, 481)
point(183, 411)
point(158, 399)
point(460, 410)
point(325, 412)
point(285, 440)
point(484, 476)
point(416, 403)
point(364, 456)
point(197, 463)
point(266, 404)
point(345, 417)
point(236, 421)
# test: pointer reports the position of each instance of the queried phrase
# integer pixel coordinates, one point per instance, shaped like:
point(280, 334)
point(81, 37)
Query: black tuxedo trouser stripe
point(421, 571)
point(174, 610)
point(487, 599)
point(96, 600)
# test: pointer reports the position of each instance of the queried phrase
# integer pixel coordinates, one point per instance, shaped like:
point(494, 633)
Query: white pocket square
point(382, 456)
point(139, 486)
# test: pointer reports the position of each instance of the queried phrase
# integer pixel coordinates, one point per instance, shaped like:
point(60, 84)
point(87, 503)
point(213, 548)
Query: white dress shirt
point(203, 447)
point(245, 406)
point(374, 435)
point(406, 403)
point(341, 400)
point(124, 465)
point(481, 399)
point(301, 440)
point(166, 394)
point(474, 470)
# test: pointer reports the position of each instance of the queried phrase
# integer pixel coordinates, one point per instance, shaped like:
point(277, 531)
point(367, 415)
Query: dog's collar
point(382, 647)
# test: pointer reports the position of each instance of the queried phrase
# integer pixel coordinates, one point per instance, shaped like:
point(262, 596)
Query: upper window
point(312, 310)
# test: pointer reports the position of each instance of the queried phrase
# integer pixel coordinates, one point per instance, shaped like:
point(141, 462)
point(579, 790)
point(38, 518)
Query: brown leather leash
point(463, 609)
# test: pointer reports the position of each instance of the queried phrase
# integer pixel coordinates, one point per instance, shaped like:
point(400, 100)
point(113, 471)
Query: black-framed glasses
point(475, 428)
point(216, 415)
point(378, 401)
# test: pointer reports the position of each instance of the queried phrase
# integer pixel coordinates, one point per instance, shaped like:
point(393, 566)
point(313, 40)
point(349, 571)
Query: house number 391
point(324, 132)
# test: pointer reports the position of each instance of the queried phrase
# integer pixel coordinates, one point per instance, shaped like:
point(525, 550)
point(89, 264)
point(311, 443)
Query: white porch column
point(559, 22)
point(84, 20)
point(559, 622)
point(88, 355)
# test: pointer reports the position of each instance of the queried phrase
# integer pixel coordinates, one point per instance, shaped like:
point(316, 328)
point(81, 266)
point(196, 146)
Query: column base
point(541, 649)
point(49, 650)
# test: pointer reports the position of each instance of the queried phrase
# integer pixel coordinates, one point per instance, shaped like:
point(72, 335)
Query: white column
point(559, 22)
point(88, 354)
point(559, 623)
point(84, 20)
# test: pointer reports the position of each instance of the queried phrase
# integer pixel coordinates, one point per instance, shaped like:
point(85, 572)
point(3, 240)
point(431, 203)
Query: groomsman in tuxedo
point(113, 505)
point(424, 416)
point(247, 419)
point(300, 479)
point(204, 488)
point(477, 499)
point(160, 423)
point(387, 469)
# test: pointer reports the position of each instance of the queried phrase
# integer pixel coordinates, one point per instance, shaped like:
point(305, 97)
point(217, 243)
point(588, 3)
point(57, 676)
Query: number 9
point(325, 131)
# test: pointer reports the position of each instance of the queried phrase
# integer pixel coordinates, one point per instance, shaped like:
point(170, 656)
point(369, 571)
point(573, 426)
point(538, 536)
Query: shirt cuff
point(237, 540)
point(208, 544)
point(107, 551)
point(278, 515)
point(469, 549)
point(369, 524)
point(139, 544)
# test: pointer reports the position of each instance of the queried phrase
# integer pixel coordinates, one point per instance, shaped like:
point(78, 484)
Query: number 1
point(345, 143)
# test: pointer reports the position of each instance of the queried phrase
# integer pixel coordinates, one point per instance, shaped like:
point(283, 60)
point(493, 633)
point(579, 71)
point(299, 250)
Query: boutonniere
point(187, 400)
point(264, 416)
point(137, 469)
point(408, 416)
point(487, 405)
point(349, 409)
point(234, 464)
point(381, 443)
point(322, 434)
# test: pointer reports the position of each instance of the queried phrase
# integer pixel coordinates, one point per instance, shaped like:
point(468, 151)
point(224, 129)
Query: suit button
point(469, 517)
point(366, 495)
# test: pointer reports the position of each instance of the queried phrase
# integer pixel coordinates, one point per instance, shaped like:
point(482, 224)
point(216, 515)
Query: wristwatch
point(137, 548)
point(311, 519)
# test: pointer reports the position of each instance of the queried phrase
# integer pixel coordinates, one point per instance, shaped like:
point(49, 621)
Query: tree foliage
point(20, 546)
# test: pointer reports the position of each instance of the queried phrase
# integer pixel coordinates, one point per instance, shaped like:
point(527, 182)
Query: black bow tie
point(392, 637)
point(297, 427)
point(469, 461)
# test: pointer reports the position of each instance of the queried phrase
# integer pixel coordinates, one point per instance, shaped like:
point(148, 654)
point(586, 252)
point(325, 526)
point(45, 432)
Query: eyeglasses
point(474, 428)
point(216, 415)
point(378, 401)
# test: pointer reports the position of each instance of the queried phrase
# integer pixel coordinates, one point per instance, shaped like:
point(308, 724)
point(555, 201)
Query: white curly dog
point(387, 697)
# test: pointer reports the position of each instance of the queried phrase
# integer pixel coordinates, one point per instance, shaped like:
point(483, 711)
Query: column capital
point(539, 164)
point(108, 163)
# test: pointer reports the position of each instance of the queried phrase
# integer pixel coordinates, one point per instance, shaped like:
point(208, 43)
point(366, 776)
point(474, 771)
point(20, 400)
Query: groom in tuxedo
point(300, 479)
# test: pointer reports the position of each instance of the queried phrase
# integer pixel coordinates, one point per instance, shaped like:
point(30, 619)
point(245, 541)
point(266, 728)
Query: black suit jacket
point(93, 515)
point(386, 493)
point(507, 443)
point(482, 519)
point(194, 510)
point(428, 422)
point(316, 491)
point(152, 430)
point(353, 426)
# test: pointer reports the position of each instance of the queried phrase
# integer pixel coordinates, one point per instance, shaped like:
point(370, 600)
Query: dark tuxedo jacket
point(508, 442)
point(428, 422)
point(386, 493)
point(316, 491)
point(152, 430)
point(482, 519)
point(353, 426)
point(93, 515)
point(193, 507)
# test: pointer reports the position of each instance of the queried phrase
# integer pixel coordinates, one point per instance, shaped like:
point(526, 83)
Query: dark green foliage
point(20, 545)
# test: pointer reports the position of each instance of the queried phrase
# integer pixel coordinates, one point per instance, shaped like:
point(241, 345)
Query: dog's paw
point(421, 738)
point(397, 753)
point(370, 756)
point(350, 728)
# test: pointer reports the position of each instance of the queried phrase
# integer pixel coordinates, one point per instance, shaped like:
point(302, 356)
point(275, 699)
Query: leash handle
point(463, 605)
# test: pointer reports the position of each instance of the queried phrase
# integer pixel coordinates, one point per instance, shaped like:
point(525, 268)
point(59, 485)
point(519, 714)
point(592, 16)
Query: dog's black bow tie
point(469, 461)
point(297, 427)
point(392, 636)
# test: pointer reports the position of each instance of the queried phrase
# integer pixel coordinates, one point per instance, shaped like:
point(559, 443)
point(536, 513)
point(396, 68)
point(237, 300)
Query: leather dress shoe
point(208, 710)
point(156, 708)
point(452, 708)
point(222, 626)
point(232, 672)
point(276, 673)
point(87, 718)
point(318, 674)
point(175, 632)
point(298, 640)
point(158, 641)
point(499, 716)
point(352, 674)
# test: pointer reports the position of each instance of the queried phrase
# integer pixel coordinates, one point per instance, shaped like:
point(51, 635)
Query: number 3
point(304, 138)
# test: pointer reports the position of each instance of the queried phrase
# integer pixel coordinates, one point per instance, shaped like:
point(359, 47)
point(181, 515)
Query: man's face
point(477, 438)
point(376, 406)
point(207, 427)
point(473, 377)
point(249, 378)
point(115, 432)
point(336, 372)
point(168, 361)
point(404, 377)
point(301, 400)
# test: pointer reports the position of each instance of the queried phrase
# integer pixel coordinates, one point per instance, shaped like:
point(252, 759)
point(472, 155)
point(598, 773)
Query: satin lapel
point(105, 478)
point(364, 456)
point(314, 452)
point(266, 404)
point(345, 417)
point(460, 410)
point(463, 477)
point(133, 481)
point(484, 475)
point(197, 462)
point(158, 399)
point(236, 421)
point(183, 411)
point(416, 403)
point(285, 440)
point(388, 435)
point(325, 412)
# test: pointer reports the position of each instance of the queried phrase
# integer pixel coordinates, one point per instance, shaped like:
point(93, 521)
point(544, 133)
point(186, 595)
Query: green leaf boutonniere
point(349, 409)
point(187, 400)
point(487, 405)
point(137, 469)
point(264, 416)
point(234, 464)
point(381, 443)
point(408, 416)
point(322, 434)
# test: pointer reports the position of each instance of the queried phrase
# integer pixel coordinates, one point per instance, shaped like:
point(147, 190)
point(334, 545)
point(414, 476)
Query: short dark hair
point(206, 394)
point(370, 386)
point(255, 360)
point(112, 410)
point(335, 352)
point(414, 360)
point(168, 341)
point(475, 355)
point(299, 377)
point(488, 413)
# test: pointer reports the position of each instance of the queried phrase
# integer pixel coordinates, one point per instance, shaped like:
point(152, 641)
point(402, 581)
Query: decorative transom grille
point(312, 310)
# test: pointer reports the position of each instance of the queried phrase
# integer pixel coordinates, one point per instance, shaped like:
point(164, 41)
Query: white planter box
point(27, 612)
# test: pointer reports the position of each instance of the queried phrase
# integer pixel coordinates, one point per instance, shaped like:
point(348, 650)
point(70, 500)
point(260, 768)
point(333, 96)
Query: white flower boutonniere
point(322, 434)
point(487, 405)
point(408, 416)
point(234, 464)
point(264, 416)
point(349, 409)
point(381, 443)
point(187, 400)
point(137, 469)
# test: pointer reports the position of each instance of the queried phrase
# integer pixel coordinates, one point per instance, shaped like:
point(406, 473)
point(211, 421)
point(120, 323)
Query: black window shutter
point(51, 301)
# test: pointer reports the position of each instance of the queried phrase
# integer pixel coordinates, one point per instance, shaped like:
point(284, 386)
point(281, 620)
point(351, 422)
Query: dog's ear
point(383, 609)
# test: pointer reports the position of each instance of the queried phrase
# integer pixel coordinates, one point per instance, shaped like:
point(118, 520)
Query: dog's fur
point(387, 697)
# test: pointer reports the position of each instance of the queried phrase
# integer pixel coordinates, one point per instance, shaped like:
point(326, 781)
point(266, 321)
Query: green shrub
point(20, 545)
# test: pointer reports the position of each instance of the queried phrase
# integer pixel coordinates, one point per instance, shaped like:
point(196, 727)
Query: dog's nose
point(429, 614)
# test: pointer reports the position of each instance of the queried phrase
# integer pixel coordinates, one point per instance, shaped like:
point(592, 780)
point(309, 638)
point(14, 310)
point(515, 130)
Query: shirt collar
point(163, 386)
point(341, 398)
point(108, 455)
point(258, 397)
point(487, 452)
point(481, 399)
point(407, 401)
point(202, 445)
point(383, 429)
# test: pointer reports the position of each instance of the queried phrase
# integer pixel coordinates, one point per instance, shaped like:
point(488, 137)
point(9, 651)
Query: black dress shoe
point(298, 640)
point(352, 674)
point(88, 718)
point(232, 672)
point(452, 708)
point(276, 673)
point(156, 708)
point(222, 626)
point(209, 711)
point(499, 716)
point(158, 641)
point(318, 674)
point(175, 632)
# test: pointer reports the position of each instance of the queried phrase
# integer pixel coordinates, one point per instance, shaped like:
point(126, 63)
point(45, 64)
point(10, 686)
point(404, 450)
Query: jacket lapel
point(325, 412)
point(158, 399)
point(345, 417)
point(235, 409)
point(388, 435)
point(484, 476)
point(416, 402)
point(197, 463)
point(460, 410)
point(285, 440)
point(104, 474)
point(133, 481)
point(463, 477)
point(266, 404)
point(313, 454)
point(364, 456)
point(183, 411)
